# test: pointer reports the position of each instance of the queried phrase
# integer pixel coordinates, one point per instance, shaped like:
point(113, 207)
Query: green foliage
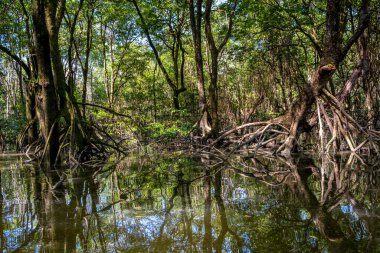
point(167, 131)
point(11, 127)
point(270, 55)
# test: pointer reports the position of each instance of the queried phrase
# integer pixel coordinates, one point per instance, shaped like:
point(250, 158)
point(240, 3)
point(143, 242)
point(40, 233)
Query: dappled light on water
point(302, 204)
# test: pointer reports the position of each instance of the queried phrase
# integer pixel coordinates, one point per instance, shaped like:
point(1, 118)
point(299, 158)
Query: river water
point(166, 203)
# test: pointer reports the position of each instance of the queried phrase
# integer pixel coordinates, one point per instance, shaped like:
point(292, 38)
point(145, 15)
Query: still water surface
point(163, 204)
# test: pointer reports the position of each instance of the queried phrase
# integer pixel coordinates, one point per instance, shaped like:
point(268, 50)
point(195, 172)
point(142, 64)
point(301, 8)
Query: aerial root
point(344, 127)
point(98, 147)
point(336, 127)
point(258, 136)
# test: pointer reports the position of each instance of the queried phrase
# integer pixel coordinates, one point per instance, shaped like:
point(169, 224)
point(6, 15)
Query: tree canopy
point(79, 78)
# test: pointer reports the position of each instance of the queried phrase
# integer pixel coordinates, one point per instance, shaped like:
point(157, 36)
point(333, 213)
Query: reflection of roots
point(279, 135)
point(318, 185)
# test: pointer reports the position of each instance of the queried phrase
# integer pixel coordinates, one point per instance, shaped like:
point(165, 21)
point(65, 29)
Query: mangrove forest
point(189, 126)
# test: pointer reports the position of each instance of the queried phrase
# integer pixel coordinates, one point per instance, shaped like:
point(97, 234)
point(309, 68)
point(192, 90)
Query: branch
point(105, 108)
point(208, 28)
point(363, 24)
point(229, 31)
point(311, 38)
point(158, 59)
point(17, 59)
point(350, 83)
point(60, 12)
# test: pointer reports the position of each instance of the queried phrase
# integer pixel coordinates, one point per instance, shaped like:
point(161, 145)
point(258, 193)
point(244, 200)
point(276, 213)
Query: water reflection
point(304, 204)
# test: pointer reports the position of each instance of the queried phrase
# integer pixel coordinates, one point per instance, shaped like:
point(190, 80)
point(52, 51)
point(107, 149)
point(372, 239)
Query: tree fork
point(334, 53)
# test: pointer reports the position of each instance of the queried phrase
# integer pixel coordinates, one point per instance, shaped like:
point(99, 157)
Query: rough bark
point(213, 87)
point(214, 52)
point(54, 11)
point(72, 26)
point(196, 29)
point(30, 113)
point(334, 52)
point(46, 94)
point(85, 66)
point(30, 99)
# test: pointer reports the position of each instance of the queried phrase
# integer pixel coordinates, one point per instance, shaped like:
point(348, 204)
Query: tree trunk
point(90, 17)
point(30, 99)
point(46, 93)
point(176, 100)
point(334, 53)
point(54, 13)
point(72, 25)
point(30, 113)
point(173, 84)
point(213, 87)
point(103, 31)
point(196, 24)
point(215, 51)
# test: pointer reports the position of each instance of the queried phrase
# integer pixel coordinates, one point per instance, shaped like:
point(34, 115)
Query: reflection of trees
point(15, 200)
point(223, 217)
point(216, 185)
point(1, 216)
point(324, 191)
point(60, 219)
point(187, 214)
point(323, 219)
point(340, 182)
point(207, 239)
point(52, 211)
point(180, 190)
point(268, 205)
point(159, 244)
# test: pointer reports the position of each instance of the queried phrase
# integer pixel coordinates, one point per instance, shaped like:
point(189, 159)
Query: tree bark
point(46, 93)
point(70, 60)
point(90, 17)
point(213, 87)
point(30, 99)
point(215, 51)
point(334, 52)
point(196, 29)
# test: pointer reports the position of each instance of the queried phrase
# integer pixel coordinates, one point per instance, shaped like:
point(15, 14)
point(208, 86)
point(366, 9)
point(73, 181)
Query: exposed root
point(336, 128)
point(99, 146)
